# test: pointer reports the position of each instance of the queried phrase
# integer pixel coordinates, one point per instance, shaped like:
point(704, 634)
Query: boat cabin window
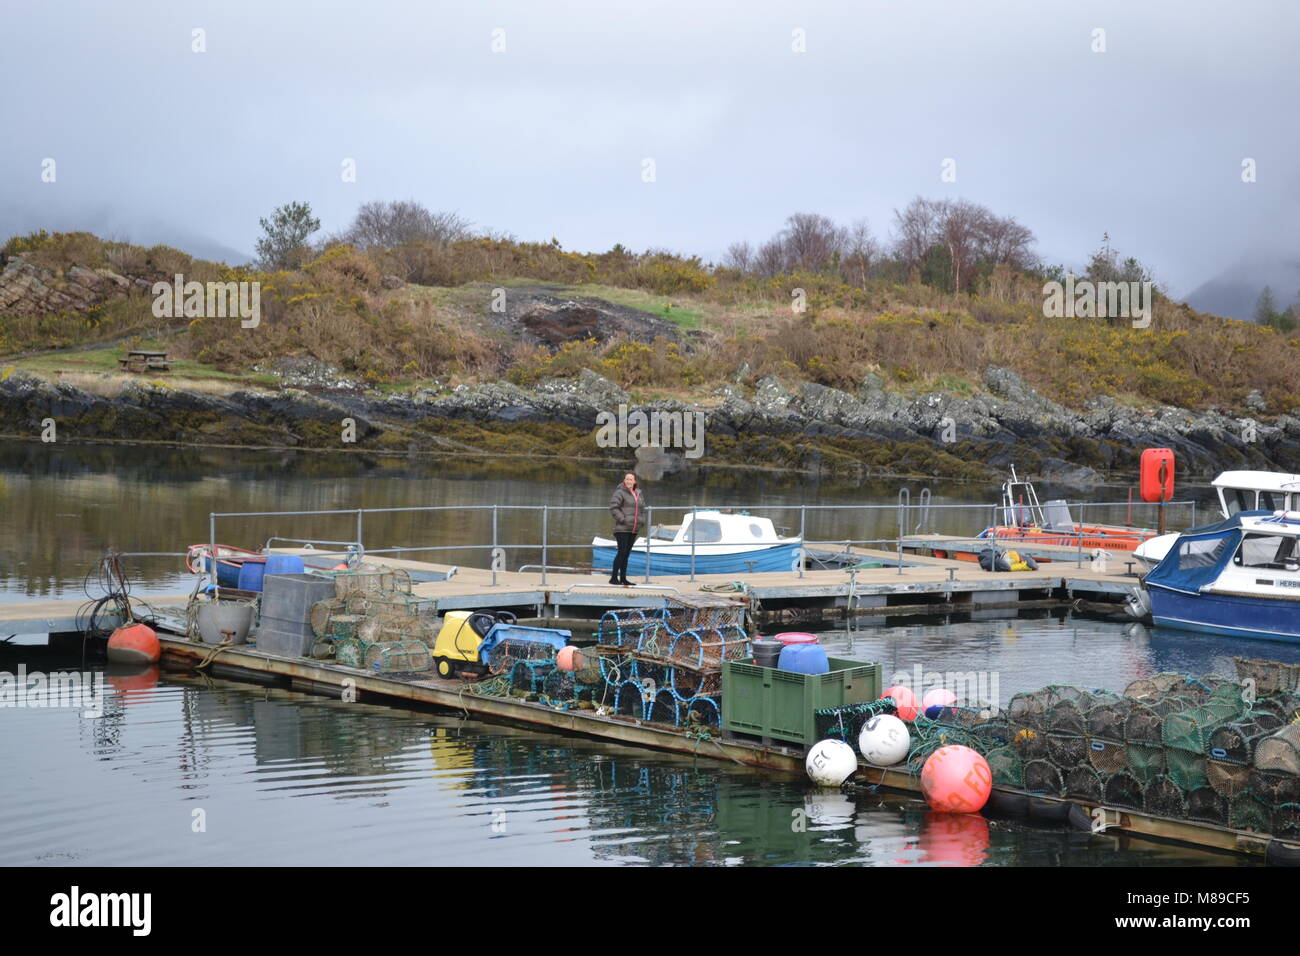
point(1271, 500)
point(704, 531)
point(1237, 499)
point(1200, 554)
point(1274, 551)
point(756, 531)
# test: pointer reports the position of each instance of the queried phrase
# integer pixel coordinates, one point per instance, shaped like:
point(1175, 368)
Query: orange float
point(134, 680)
point(134, 644)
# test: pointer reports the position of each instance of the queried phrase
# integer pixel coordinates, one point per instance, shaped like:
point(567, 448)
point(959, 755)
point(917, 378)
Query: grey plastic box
point(285, 622)
point(284, 643)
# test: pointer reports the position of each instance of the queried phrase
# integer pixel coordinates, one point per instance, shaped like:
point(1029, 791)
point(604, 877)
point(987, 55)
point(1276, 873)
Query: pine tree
point(284, 245)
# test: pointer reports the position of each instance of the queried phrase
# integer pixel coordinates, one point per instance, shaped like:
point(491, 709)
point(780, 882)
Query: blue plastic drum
point(284, 564)
point(804, 659)
point(250, 575)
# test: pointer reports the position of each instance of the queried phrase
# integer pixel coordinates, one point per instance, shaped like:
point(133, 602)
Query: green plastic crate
point(780, 705)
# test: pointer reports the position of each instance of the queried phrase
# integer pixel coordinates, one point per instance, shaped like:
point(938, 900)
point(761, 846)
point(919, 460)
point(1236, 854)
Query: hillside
point(877, 361)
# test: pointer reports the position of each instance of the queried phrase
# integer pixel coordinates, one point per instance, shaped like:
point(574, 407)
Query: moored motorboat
point(1239, 577)
point(1237, 491)
point(230, 562)
point(724, 543)
point(1027, 521)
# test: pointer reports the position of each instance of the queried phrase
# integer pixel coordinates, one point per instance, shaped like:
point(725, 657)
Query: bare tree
point(916, 230)
point(739, 256)
point(970, 233)
point(385, 225)
point(961, 228)
point(812, 241)
point(771, 259)
point(861, 251)
point(1007, 242)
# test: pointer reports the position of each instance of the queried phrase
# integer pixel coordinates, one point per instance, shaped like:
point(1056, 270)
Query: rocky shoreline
point(804, 427)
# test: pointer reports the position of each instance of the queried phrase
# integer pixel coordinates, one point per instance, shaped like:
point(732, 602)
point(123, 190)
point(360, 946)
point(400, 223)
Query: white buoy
point(830, 762)
point(884, 740)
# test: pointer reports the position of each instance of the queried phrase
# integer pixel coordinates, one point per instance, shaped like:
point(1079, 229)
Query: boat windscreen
point(703, 530)
point(1056, 514)
point(1195, 560)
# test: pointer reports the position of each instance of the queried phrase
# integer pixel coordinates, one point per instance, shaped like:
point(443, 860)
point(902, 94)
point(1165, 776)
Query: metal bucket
point(218, 620)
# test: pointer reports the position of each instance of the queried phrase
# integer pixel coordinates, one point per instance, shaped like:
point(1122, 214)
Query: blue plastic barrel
point(284, 564)
point(250, 575)
point(804, 659)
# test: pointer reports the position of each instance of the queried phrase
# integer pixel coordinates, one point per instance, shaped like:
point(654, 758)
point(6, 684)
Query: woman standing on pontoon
point(627, 506)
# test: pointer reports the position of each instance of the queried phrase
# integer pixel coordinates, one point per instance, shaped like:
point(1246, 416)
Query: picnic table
point(143, 360)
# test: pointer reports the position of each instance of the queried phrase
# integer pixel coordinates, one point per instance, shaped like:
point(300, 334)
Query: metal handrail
point(903, 507)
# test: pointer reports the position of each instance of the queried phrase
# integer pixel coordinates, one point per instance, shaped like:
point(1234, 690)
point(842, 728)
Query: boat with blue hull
point(1239, 577)
point(724, 543)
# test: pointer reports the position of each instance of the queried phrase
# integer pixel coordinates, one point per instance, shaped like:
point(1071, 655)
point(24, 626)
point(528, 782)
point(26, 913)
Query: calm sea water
point(192, 771)
point(278, 777)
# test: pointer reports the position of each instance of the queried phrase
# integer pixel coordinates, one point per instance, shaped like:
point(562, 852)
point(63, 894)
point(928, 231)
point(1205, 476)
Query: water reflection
point(64, 505)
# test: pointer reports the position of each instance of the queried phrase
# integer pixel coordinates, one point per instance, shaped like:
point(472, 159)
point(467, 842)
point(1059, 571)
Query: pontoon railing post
point(360, 547)
point(212, 553)
point(803, 524)
point(649, 527)
point(904, 495)
point(692, 527)
point(494, 546)
point(546, 515)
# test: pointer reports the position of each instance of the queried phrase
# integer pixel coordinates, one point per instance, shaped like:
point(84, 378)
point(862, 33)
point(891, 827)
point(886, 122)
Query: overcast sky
point(155, 142)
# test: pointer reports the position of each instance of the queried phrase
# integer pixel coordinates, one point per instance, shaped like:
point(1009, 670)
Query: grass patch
point(104, 361)
point(665, 307)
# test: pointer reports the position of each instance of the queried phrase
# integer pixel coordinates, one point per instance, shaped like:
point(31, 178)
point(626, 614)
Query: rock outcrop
point(27, 289)
point(1008, 422)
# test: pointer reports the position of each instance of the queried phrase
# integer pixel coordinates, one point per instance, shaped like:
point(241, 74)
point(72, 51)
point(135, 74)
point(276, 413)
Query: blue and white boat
point(1239, 577)
point(724, 544)
point(1237, 491)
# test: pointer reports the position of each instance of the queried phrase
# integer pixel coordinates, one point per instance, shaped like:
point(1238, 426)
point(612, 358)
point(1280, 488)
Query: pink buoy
point(954, 839)
point(797, 637)
point(935, 700)
point(566, 659)
point(904, 701)
point(956, 779)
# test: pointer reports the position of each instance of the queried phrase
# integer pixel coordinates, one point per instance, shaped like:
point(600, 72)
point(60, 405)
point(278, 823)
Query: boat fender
point(1282, 854)
point(1078, 817)
point(1005, 803)
point(1052, 811)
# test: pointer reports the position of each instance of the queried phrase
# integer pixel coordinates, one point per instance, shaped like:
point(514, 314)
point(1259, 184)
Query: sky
point(536, 119)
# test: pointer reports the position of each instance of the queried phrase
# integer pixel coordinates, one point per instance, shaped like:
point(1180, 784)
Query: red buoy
point(134, 644)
